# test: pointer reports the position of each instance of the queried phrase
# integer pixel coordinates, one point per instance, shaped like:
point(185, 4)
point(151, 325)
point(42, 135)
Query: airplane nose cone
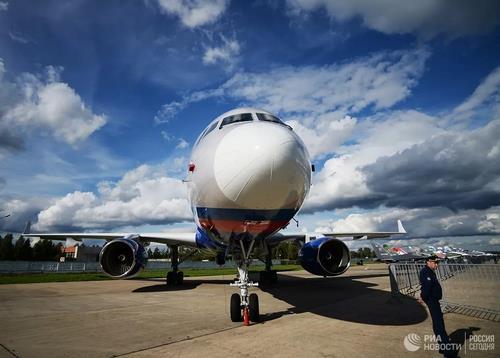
point(263, 166)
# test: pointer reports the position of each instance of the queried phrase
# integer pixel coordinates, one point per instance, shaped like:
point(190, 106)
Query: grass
point(75, 277)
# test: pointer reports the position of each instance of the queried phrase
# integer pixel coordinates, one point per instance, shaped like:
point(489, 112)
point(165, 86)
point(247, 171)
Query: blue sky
point(100, 103)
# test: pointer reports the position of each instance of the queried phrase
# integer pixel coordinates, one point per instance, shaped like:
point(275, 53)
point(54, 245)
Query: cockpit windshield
point(270, 118)
point(241, 117)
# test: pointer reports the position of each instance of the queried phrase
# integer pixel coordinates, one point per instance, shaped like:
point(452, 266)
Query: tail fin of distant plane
point(27, 228)
point(401, 228)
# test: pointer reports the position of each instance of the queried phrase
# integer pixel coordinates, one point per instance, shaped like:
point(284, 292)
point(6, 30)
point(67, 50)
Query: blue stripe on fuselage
point(203, 241)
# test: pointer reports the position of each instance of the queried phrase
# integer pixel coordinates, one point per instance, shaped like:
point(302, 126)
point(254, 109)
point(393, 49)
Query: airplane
point(248, 176)
point(387, 253)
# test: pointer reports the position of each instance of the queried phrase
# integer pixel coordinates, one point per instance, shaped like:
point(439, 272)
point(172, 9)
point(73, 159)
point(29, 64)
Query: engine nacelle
point(325, 257)
point(123, 258)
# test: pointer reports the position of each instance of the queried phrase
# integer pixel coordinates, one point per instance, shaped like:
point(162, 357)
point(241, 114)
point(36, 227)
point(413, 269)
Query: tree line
point(42, 250)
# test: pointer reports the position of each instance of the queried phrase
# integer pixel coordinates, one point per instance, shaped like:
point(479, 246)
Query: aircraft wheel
point(235, 308)
point(253, 306)
point(263, 277)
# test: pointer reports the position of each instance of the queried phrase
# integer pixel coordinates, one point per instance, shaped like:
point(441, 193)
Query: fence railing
point(12, 267)
point(471, 289)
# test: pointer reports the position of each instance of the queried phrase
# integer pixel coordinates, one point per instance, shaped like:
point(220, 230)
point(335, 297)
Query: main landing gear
point(244, 306)
point(268, 276)
point(175, 277)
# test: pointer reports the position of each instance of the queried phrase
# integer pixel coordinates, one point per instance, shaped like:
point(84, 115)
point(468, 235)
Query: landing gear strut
point(175, 277)
point(244, 305)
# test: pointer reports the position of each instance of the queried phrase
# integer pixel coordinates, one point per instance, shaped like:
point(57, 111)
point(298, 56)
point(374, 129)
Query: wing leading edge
point(354, 235)
point(184, 238)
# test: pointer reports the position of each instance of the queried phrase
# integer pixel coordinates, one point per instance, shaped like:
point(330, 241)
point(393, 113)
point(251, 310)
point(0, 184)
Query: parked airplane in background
point(249, 175)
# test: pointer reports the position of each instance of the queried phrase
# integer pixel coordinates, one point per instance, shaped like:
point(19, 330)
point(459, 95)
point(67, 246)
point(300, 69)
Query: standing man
point(431, 293)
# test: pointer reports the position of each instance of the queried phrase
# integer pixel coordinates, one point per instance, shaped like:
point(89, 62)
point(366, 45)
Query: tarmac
point(302, 316)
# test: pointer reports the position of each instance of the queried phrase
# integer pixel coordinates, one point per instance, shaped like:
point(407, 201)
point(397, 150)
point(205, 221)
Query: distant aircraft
point(248, 176)
point(388, 253)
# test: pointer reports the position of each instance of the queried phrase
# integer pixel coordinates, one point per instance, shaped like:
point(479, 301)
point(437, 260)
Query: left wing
point(180, 238)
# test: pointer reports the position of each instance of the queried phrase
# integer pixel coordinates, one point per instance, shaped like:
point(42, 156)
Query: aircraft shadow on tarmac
point(343, 298)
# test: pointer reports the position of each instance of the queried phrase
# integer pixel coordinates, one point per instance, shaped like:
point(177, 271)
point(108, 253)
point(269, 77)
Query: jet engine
point(325, 257)
point(123, 258)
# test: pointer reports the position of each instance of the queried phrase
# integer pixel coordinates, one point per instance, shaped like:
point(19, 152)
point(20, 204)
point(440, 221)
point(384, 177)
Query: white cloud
point(494, 241)
point(227, 53)
point(426, 18)
point(194, 13)
point(32, 102)
point(145, 195)
point(429, 222)
point(4, 5)
point(488, 92)
point(319, 101)
point(181, 142)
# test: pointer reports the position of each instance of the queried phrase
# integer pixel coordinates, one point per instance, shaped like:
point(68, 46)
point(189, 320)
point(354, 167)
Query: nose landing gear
point(244, 305)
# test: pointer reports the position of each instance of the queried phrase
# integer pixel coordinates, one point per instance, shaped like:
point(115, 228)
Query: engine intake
point(123, 258)
point(325, 257)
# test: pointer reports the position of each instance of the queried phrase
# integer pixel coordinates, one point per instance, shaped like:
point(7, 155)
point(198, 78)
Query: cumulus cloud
point(4, 5)
point(21, 211)
point(341, 183)
point(194, 13)
point(456, 170)
point(145, 195)
point(226, 54)
point(419, 222)
point(427, 18)
point(44, 102)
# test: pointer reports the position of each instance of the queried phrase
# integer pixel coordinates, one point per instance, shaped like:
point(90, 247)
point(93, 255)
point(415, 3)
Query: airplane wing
point(348, 235)
point(369, 235)
point(184, 238)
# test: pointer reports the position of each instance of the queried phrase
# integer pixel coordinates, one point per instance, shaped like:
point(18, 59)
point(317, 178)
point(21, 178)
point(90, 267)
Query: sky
point(398, 104)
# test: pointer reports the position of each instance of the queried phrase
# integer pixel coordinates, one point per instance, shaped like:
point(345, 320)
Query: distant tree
point(7, 248)
point(45, 250)
point(150, 253)
point(286, 250)
point(22, 249)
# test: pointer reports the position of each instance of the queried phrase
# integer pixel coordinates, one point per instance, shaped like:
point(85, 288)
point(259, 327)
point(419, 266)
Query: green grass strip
point(75, 277)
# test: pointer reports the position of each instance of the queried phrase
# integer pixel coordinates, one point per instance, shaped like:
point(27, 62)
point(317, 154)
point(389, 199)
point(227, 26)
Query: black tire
point(235, 308)
point(170, 278)
point(180, 278)
point(253, 307)
point(263, 277)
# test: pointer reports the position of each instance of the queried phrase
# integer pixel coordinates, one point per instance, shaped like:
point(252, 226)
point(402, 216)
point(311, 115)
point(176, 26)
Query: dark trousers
point(438, 321)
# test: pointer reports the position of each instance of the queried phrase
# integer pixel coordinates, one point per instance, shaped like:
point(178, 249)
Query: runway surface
point(302, 316)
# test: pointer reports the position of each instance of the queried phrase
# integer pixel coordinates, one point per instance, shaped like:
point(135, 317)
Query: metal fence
point(471, 289)
point(13, 267)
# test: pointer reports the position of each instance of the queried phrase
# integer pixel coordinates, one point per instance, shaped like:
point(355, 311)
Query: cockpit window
point(242, 117)
point(270, 118)
point(209, 129)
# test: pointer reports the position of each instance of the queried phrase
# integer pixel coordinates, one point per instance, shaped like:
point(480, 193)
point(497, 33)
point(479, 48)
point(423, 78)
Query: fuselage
point(249, 175)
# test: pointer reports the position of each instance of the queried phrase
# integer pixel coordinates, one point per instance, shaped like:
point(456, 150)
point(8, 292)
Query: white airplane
point(248, 176)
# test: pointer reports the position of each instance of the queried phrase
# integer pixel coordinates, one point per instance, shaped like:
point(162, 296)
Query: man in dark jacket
point(431, 293)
